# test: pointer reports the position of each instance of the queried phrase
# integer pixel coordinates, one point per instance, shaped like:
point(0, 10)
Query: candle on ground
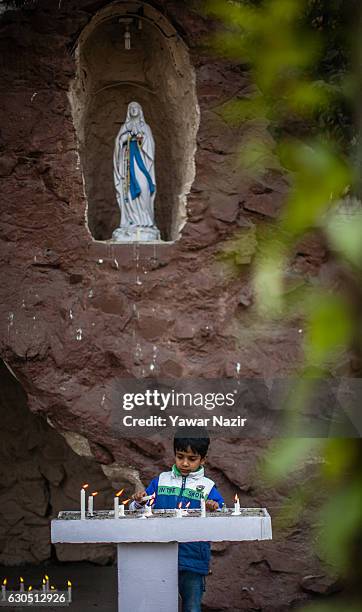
point(46, 582)
point(69, 591)
point(82, 501)
point(21, 584)
point(90, 502)
point(203, 507)
point(3, 588)
point(116, 504)
point(237, 506)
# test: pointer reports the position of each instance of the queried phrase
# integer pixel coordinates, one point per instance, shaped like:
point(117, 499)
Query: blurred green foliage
point(305, 72)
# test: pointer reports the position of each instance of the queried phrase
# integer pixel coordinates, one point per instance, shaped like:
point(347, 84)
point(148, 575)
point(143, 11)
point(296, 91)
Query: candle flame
point(69, 583)
point(236, 498)
point(30, 588)
point(5, 581)
point(180, 505)
point(188, 504)
point(21, 579)
point(85, 486)
point(119, 493)
point(126, 501)
point(95, 493)
point(52, 588)
point(44, 581)
point(46, 577)
point(151, 502)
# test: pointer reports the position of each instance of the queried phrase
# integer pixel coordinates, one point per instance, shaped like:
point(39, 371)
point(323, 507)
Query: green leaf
point(285, 456)
point(344, 229)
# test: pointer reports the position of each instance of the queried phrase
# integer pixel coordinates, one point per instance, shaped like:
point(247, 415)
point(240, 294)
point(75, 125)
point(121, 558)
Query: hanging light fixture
point(127, 32)
point(127, 39)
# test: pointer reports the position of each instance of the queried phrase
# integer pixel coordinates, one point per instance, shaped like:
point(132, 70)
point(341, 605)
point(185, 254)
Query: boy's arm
point(152, 488)
point(215, 496)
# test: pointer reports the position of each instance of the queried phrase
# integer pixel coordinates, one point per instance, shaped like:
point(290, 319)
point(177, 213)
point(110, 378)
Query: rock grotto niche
point(156, 72)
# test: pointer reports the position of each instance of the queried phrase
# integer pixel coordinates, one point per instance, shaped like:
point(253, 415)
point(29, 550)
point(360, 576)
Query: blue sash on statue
point(135, 156)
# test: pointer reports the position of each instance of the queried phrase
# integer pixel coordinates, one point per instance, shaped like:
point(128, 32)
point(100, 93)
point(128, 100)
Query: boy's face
point(188, 461)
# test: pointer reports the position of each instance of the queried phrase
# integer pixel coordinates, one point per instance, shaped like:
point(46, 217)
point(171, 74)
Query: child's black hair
point(195, 438)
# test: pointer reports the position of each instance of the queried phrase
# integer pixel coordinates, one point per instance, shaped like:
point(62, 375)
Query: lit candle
point(179, 510)
point(82, 501)
point(116, 504)
point(69, 591)
point(43, 585)
point(187, 507)
point(121, 508)
point(203, 508)
point(3, 589)
point(90, 502)
point(149, 506)
point(46, 582)
point(30, 588)
point(21, 584)
point(237, 506)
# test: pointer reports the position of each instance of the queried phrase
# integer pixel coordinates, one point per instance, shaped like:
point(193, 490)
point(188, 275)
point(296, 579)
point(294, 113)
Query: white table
point(147, 549)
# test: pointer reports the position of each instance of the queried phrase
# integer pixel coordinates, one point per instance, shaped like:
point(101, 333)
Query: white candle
point(69, 591)
point(116, 507)
point(82, 501)
point(21, 584)
point(237, 506)
point(121, 510)
point(43, 586)
point(116, 504)
point(46, 582)
point(3, 588)
point(203, 508)
point(90, 502)
point(179, 511)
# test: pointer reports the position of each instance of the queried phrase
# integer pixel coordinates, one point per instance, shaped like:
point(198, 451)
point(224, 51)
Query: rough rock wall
point(76, 313)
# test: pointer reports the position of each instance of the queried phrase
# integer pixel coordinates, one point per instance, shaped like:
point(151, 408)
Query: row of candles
point(45, 588)
point(119, 508)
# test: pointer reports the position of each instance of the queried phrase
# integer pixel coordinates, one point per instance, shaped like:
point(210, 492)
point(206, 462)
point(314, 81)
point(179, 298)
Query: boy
point(186, 483)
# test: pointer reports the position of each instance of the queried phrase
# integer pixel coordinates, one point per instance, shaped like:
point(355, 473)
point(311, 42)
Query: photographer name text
point(177, 421)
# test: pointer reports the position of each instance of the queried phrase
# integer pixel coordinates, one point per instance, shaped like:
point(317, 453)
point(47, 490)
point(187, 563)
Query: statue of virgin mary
point(134, 178)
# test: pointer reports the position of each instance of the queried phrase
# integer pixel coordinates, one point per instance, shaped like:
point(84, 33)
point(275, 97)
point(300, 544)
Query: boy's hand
point(138, 497)
point(211, 505)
